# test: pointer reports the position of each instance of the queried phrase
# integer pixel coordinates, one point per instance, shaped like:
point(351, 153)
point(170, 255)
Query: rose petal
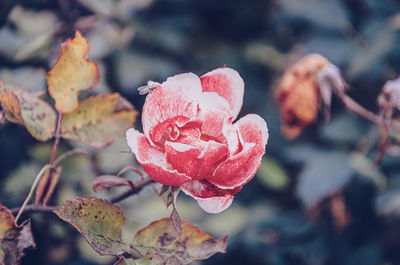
point(209, 197)
point(153, 160)
point(253, 129)
point(195, 162)
point(239, 169)
point(178, 96)
point(215, 205)
point(164, 176)
point(167, 129)
point(216, 115)
point(191, 130)
point(228, 84)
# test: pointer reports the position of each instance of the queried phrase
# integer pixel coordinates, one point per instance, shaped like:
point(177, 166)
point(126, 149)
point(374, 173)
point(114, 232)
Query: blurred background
point(318, 199)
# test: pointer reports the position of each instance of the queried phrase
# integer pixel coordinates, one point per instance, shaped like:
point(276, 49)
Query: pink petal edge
point(210, 198)
point(215, 205)
point(227, 83)
point(240, 168)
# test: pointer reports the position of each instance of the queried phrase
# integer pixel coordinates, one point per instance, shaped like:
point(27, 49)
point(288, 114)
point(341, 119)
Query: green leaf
point(26, 109)
point(161, 237)
point(272, 175)
point(99, 120)
point(99, 221)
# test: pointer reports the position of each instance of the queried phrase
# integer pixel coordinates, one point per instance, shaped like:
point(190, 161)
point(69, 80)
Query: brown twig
point(353, 106)
point(57, 137)
point(30, 194)
point(131, 192)
point(35, 208)
point(68, 154)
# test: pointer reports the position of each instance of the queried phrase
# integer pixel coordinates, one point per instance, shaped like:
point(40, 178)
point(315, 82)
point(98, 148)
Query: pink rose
point(190, 141)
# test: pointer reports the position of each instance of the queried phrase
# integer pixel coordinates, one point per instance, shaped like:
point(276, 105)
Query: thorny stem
point(34, 208)
point(33, 187)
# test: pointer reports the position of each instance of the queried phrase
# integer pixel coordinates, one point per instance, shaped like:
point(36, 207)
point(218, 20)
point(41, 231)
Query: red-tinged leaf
point(28, 110)
point(110, 181)
point(14, 239)
point(6, 221)
point(72, 73)
point(47, 184)
point(162, 238)
point(99, 221)
point(99, 120)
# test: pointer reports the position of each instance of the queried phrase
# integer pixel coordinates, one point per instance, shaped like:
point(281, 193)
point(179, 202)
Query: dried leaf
point(163, 190)
point(172, 196)
point(161, 237)
point(99, 120)
point(6, 221)
point(72, 73)
point(14, 239)
point(47, 184)
point(11, 102)
point(99, 221)
point(298, 94)
point(176, 221)
point(28, 110)
point(107, 181)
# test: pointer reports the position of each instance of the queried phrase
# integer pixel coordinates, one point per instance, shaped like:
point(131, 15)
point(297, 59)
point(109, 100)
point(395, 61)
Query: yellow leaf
point(99, 120)
point(72, 73)
point(28, 110)
point(160, 236)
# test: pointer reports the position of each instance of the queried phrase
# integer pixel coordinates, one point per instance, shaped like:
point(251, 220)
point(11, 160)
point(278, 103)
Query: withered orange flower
point(298, 94)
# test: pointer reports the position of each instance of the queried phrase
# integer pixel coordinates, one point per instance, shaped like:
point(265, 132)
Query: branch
point(353, 106)
point(35, 208)
point(131, 192)
point(68, 154)
point(57, 139)
point(30, 194)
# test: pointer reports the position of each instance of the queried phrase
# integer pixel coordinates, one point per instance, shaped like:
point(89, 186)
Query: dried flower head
point(298, 94)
